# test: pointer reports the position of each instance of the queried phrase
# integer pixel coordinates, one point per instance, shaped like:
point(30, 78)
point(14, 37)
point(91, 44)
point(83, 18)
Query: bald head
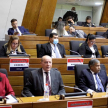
point(46, 63)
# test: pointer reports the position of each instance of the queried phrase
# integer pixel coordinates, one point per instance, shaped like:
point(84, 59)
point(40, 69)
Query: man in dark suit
point(93, 79)
point(36, 83)
point(16, 30)
point(52, 48)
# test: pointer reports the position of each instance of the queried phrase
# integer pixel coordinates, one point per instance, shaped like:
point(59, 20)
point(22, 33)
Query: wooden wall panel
point(104, 18)
point(45, 16)
point(31, 14)
point(39, 15)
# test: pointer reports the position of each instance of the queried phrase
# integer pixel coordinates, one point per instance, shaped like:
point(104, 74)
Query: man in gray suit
point(38, 78)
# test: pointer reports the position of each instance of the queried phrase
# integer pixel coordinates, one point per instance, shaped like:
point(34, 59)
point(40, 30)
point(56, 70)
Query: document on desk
point(11, 99)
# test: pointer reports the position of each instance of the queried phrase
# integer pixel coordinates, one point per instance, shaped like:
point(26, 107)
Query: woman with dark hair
point(12, 47)
point(60, 29)
point(88, 22)
point(59, 19)
point(70, 21)
point(88, 49)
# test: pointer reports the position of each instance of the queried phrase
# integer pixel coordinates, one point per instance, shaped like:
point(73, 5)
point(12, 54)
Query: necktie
point(99, 84)
point(56, 52)
point(48, 82)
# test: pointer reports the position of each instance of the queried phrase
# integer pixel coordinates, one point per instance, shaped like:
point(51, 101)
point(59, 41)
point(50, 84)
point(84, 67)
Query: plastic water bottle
point(107, 89)
point(46, 92)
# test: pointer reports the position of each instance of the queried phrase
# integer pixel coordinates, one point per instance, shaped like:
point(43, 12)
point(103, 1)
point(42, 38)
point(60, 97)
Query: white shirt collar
point(44, 71)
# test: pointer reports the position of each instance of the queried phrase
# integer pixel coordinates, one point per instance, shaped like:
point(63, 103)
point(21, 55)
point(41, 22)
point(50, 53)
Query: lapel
point(52, 75)
point(12, 30)
point(49, 48)
point(59, 48)
point(41, 77)
point(92, 79)
point(87, 47)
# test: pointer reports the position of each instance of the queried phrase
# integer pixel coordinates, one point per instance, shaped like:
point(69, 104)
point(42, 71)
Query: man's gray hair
point(92, 62)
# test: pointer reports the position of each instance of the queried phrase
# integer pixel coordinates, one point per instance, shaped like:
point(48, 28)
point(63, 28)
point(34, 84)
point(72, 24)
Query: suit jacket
point(86, 80)
point(46, 50)
point(86, 51)
point(85, 24)
point(35, 84)
point(72, 14)
point(21, 28)
point(3, 50)
point(5, 87)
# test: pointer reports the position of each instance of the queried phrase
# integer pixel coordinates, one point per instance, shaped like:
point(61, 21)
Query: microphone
point(74, 52)
point(20, 52)
point(73, 88)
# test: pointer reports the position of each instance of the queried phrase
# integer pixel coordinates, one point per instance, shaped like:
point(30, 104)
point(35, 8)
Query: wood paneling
point(104, 18)
point(31, 15)
point(45, 16)
point(39, 15)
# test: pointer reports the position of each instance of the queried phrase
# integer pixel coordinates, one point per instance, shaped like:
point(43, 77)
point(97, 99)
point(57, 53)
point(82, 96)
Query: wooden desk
point(29, 43)
point(16, 78)
point(54, 103)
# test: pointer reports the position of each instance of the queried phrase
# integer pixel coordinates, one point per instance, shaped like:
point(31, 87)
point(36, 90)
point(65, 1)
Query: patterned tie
point(56, 52)
point(48, 82)
point(99, 84)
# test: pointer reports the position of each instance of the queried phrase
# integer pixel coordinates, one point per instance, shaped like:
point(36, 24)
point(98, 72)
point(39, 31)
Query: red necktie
point(48, 82)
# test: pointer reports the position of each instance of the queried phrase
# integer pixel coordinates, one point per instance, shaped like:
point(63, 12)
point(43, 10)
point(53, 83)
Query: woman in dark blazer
point(88, 49)
point(88, 22)
point(5, 87)
point(12, 47)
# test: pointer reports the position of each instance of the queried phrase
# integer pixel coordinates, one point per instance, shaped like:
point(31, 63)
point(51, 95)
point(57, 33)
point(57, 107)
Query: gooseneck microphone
point(74, 52)
point(73, 88)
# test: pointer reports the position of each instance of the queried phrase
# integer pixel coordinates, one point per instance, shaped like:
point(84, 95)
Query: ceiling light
point(98, 3)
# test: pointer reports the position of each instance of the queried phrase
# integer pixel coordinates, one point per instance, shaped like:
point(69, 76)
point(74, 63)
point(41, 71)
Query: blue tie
point(56, 52)
point(99, 84)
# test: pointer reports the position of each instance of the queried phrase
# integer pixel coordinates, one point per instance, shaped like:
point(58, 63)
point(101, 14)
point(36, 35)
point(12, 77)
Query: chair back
point(74, 46)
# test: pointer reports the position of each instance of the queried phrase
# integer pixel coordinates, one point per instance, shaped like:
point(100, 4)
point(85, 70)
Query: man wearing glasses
point(16, 30)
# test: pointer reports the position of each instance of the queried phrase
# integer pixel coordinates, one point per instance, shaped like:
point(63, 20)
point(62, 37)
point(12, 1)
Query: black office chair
point(74, 46)
point(4, 71)
point(104, 24)
point(100, 33)
point(79, 23)
point(79, 68)
point(48, 32)
point(38, 48)
point(26, 74)
point(104, 50)
point(2, 43)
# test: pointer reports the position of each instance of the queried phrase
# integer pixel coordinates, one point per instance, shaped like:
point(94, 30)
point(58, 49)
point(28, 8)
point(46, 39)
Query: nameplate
point(71, 62)
point(19, 64)
point(80, 104)
point(6, 106)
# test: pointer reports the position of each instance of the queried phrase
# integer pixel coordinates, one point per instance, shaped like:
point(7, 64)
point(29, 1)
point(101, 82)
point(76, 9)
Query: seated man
point(76, 33)
point(52, 48)
point(16, 30)
point(35, 85)
point(93, 79)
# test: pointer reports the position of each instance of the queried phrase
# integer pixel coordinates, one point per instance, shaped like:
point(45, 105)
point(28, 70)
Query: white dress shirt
point(44, 78)
point(17, 31)
point(96, 86)
point(53, 52)
point(93, 51)
point(65, 32)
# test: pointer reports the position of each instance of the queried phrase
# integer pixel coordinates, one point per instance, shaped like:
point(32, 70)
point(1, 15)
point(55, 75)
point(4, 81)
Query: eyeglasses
point(14, 43)
point(92, 42)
